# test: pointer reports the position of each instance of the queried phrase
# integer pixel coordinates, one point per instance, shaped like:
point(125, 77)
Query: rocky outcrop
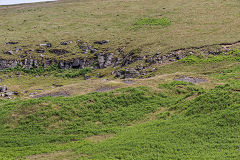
point(100, 60)
point(127, 73)
point(105, 60)
point(4, 92)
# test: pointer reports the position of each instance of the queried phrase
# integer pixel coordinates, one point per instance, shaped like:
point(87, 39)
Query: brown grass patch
point(60, 155)
point(99, 138)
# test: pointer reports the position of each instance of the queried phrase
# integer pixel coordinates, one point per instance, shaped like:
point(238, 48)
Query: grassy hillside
point(186, 108)
point(170, 120)
point(150, 25)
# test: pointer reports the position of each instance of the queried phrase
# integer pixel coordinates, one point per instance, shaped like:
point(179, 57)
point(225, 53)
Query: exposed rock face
point(79, 63)
point(5, 93)
point(3, 64)
point(127, 73)
point(97, 58)
point(130, 58)
point(108, 60)
point(3, 88)
point(105, 60)
point(12, 64)
point(28, 63)
point(101, 60)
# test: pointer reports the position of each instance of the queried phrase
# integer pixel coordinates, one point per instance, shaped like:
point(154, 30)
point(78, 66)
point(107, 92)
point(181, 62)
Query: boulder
point(64, 43)
point(48, 45)
point(101, 60)
point(108, 60)
point(3, 64)
point(3, 88)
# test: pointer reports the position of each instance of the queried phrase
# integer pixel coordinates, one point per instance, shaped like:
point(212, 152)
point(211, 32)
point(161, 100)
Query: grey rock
point(131, 73)
point(76, 63)
point(28, 63)
point(109, 60)
point(127, 73)
point(35, 63)
point(12, 42)
point(9, 52)
point(67, 64)
point(61, 65)
point(101, 60)
point(84, 51)
point(154, 69)
point(12, 64)
point(3, 88)
point(18, 73)
point(93, 50)
point(3, 64)
point(17, 50)
point(40, 50)
point(7, 94)
point(46, 45)
point(46, 63)
point(64, 43)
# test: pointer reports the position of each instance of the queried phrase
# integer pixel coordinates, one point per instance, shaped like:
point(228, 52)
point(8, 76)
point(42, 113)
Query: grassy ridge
point(53, 120)
point(201, 128)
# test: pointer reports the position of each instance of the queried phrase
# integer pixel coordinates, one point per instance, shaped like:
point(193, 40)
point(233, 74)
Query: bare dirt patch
point(54, 94)
point(190, 79)
point(127, 81)
point(61, 155)
point(99, 138)
point(105, 89)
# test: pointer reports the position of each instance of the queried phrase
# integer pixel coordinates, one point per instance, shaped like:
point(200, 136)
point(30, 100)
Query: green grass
point(53, 121)
point(233, 55)
point(51, 70)
point(153, 22)
point(166, 120)
point(204, 127)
